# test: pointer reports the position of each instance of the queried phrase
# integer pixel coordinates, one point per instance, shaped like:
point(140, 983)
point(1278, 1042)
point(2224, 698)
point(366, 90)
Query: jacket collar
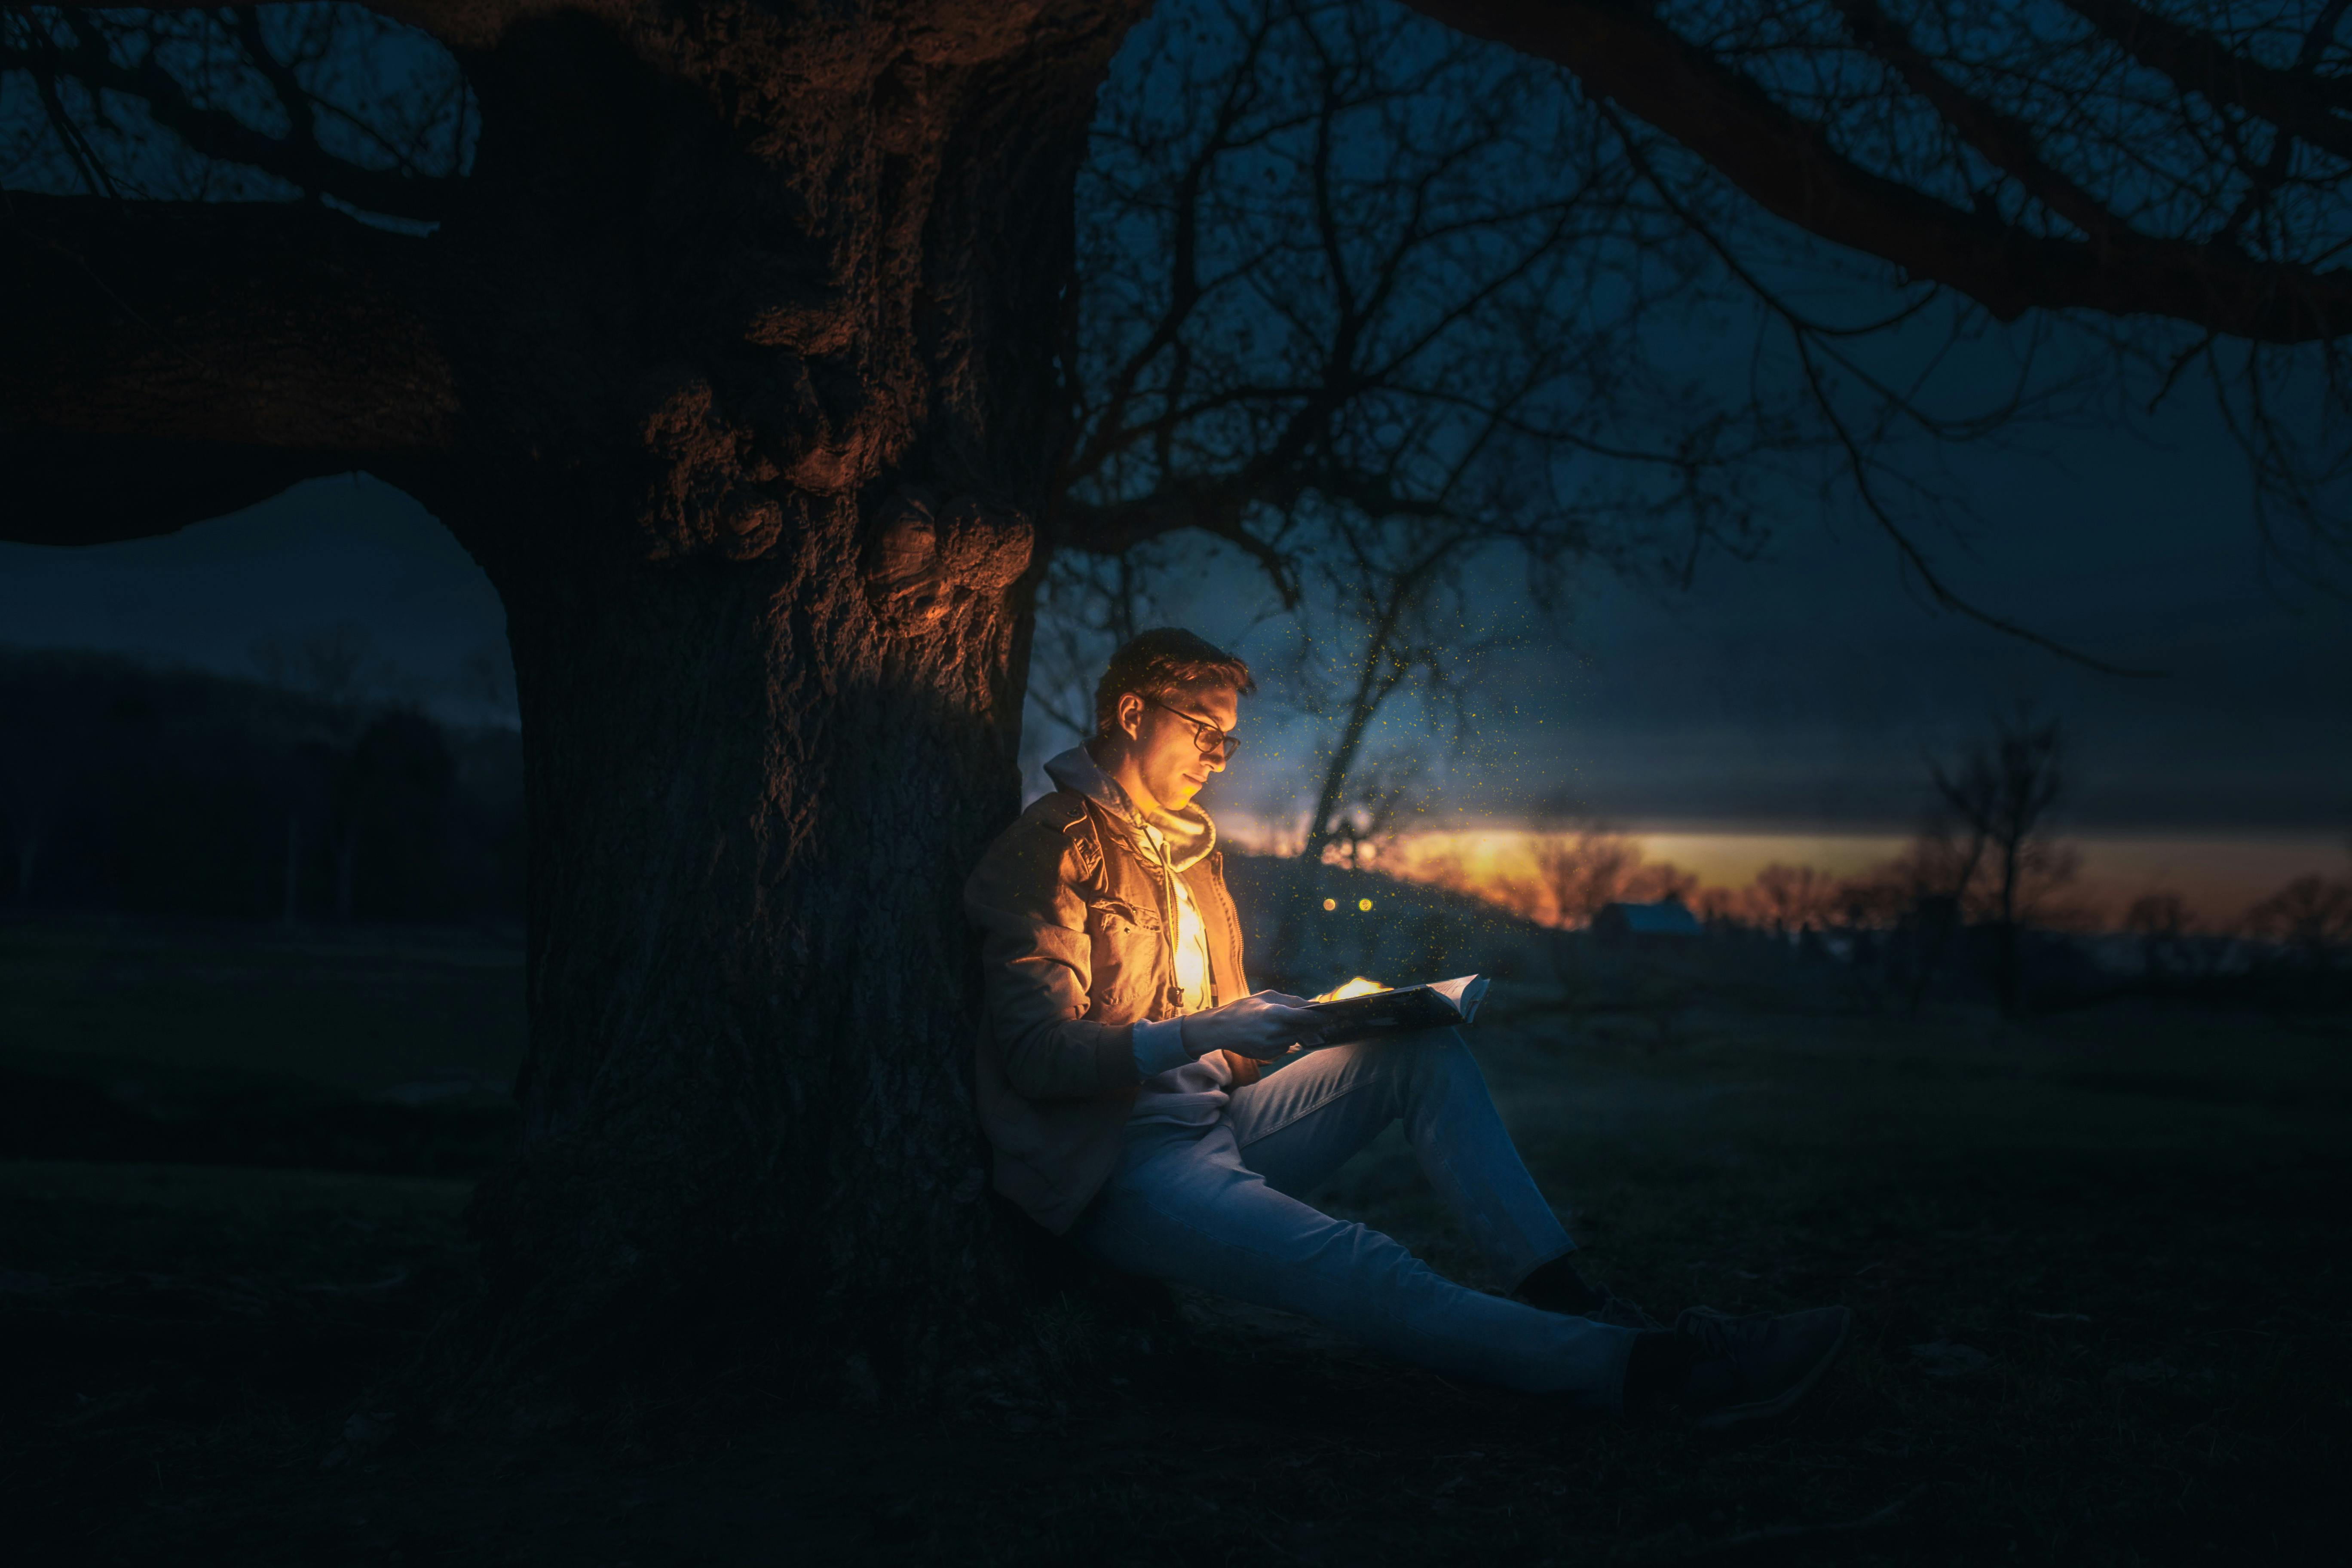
point(1190, 834)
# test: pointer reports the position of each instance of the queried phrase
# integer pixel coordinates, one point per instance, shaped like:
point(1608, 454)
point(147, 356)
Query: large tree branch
point(480, 24)
point(2295, 101)
point(1217, 509)
point(65, 488)
point(463, 24)
point(2005, 142)
point(1185, 290)
point(292, 334)
point(1788, 166)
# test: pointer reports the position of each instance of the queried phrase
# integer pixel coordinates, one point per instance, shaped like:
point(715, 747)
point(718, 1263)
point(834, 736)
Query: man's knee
point(1425, 1058)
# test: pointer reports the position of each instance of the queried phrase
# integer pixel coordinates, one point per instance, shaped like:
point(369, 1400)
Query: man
point(1120, 1082)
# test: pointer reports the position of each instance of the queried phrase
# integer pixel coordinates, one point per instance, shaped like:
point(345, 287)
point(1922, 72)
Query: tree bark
point(740, 337)
point(279, 329)
point(753, 799)
point(769, 668)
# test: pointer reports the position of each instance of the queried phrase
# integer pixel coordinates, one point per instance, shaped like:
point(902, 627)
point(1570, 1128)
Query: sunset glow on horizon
point(2217, 874)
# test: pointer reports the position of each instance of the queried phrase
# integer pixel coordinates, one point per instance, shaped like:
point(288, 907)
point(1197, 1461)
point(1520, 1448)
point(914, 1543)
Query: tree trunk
point(731, 362)
point(2006, 973)
point(769, 664)
point(752, 805)
point(1323, 828)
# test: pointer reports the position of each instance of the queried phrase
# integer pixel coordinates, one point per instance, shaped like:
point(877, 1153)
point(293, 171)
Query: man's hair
point(1165, 662)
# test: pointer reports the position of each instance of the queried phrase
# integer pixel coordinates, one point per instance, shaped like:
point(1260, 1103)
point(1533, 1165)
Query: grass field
point(195, 1005)
point(215, 1044)
point(2098, 1263)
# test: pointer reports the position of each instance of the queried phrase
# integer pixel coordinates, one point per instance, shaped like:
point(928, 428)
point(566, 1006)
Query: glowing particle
point(1363, 903)
point(1330, 903)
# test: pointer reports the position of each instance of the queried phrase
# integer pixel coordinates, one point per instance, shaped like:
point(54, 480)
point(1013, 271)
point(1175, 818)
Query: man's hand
point(1263, 1026)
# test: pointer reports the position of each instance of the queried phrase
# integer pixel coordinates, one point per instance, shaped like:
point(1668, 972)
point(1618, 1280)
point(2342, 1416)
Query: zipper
point(1138, 841)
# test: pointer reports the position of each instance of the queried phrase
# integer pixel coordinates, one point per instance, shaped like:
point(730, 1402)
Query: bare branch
point(1859, 467)
point(298, 160)
point(2305, 106)
point(1788, 166)
point(2007, 143)
point(1116, 527)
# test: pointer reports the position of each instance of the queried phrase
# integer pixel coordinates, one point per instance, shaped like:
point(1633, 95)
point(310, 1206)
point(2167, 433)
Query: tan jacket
point(1073, 916)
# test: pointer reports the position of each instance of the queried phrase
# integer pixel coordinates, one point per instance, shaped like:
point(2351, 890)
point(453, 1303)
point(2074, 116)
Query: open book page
point(1465, 993)
point(1433, 1006)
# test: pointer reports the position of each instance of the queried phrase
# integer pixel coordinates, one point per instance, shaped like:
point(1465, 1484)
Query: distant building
point(1631, 925)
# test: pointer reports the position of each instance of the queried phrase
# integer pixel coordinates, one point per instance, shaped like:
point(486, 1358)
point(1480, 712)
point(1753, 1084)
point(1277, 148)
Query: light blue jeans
point(1218, 1207)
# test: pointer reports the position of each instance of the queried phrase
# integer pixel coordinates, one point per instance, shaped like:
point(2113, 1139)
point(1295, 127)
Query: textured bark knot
point(927, 558)
point(704, 499)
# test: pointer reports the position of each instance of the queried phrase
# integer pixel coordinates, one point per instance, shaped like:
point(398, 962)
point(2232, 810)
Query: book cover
point(1437, 1005)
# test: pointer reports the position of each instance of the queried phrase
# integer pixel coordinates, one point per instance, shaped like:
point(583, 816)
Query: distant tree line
point(129, 789)
point(1980, 891)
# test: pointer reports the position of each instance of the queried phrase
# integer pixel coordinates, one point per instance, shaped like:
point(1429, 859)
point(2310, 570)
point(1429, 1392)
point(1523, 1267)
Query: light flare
point(1359, 986)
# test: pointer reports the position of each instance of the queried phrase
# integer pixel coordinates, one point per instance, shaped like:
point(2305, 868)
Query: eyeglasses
point(1213, 742)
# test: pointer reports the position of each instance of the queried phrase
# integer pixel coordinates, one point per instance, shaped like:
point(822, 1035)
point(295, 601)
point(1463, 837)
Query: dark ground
point(2098, 1262)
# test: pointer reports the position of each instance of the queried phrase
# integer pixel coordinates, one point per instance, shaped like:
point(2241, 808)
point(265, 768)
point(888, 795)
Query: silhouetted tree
point(1401, 627)
point(1583, 872)
point(2311, 916)
point(1786, 899)
point(1368, 304)
point(170, 791)
point(330, 666)
point(2166, 927)
point(390, 801)
point(2001, 789)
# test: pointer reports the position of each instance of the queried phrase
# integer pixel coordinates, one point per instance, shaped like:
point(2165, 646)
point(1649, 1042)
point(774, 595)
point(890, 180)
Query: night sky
point(1792, 697)
point(1789, 701)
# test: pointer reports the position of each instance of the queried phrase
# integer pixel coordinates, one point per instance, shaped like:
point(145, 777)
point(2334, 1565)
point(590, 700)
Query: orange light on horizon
point(2217, 874)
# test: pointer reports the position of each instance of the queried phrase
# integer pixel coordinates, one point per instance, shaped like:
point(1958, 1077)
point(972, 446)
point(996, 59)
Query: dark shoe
point(1556, 1287)
point(1752, 1368)
point(1618, 1313)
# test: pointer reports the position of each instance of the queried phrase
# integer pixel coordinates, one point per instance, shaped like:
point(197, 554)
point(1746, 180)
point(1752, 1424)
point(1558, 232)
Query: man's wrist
point(1159, 1047)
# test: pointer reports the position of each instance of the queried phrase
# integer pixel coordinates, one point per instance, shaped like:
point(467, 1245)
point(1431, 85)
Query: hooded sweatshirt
point(1177, 1087)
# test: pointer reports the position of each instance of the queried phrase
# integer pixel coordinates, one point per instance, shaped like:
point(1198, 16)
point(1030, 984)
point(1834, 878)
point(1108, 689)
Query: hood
point(1189, 833)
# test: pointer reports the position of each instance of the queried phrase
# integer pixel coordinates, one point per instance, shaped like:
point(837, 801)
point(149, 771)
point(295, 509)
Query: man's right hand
point(1263, 1026)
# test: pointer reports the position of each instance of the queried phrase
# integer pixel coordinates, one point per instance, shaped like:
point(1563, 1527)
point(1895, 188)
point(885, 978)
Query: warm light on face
point(1167, 747)
point(1359, 986)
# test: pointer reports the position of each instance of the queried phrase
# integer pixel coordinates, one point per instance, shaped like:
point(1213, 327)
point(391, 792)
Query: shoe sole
point(1787, 1399)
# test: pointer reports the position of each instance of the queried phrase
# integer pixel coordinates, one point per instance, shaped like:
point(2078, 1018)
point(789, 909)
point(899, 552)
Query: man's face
point(1167, 745)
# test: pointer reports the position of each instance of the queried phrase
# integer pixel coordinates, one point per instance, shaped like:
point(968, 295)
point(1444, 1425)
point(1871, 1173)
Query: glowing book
point(1379, 1014)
